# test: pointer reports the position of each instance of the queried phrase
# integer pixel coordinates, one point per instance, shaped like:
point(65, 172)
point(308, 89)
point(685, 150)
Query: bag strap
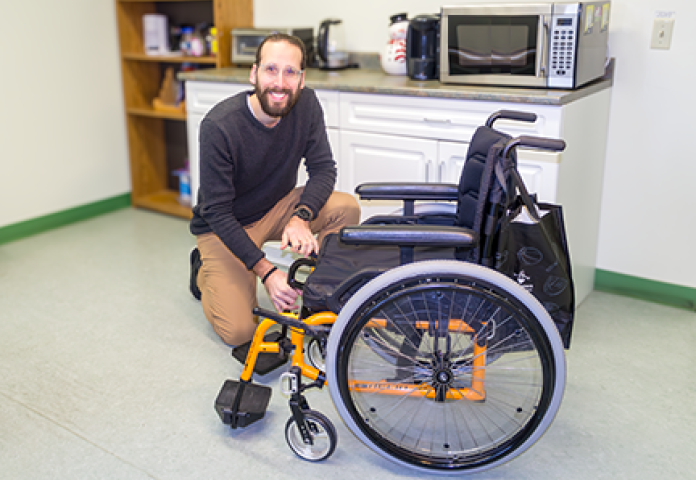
point(527, 199)
point(493, 197)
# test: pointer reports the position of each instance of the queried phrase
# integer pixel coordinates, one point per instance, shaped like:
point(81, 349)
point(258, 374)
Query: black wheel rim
point(442, 434)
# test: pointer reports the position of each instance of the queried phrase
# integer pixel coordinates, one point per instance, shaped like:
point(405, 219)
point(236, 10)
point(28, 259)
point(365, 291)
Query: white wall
point(648, 225)
point(63, 141)
point(62, 127)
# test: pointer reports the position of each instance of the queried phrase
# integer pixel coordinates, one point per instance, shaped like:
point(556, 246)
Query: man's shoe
point(195, 267)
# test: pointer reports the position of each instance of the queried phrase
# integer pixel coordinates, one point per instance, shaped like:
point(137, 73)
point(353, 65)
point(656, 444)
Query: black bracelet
point(268, 274)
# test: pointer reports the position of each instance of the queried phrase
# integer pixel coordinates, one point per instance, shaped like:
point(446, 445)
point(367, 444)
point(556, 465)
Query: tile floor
point(109, 370)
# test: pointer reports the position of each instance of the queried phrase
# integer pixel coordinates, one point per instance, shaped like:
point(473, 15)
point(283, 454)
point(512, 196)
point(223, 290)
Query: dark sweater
point(246, 168)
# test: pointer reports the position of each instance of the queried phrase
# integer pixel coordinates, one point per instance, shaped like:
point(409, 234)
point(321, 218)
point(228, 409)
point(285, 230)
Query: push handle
point(511, 115)
point(552, 144)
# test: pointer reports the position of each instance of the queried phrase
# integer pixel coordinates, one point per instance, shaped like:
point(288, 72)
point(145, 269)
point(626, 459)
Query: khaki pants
point(228, 289)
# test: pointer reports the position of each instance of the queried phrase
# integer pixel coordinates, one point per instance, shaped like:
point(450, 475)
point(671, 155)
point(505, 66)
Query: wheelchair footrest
point(265, 362)
point(240, 404)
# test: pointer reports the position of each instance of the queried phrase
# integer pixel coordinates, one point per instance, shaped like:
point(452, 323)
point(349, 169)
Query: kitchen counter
point(376, 81)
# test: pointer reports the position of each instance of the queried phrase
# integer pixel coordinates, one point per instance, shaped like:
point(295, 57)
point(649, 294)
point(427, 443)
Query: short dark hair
point(284, 37)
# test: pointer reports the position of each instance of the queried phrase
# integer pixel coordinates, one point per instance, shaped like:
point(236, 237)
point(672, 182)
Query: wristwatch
point(303, 213)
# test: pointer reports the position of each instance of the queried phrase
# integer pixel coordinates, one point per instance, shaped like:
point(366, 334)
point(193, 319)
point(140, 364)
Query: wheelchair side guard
point(336, 301)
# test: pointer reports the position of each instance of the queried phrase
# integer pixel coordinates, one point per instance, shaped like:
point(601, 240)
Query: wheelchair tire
point(323, 434)
point(427, 305)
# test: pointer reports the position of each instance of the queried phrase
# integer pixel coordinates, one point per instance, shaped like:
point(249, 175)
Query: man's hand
point(299, 237)
point(282, 295)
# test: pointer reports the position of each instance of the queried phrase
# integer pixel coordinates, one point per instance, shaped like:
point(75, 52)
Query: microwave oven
point(245, 41)
point(550, 45)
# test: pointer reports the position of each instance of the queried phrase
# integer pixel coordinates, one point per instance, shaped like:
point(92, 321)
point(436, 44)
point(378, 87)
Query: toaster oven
point(245, 41)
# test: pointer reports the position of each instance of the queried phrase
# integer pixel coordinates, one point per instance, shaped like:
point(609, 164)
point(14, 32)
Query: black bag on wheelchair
point(534, 252)
point(524, 239)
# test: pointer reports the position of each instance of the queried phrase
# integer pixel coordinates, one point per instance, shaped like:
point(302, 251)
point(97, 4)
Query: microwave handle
point(543, 43)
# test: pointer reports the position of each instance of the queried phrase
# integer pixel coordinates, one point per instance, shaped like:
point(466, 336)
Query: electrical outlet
point(662, 33)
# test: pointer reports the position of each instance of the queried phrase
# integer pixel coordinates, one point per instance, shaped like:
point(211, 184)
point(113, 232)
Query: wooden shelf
point(151, 112)
point(156, 145)
point(144, 57)
point(164, 201)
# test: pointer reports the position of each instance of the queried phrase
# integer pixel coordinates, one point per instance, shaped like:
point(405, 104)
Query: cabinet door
point(451, 158)
point(367, 157)
point(332, 134)
point(538, 169)
point(193, 123)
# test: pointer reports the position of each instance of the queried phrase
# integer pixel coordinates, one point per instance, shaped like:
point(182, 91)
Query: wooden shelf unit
point(150, 144)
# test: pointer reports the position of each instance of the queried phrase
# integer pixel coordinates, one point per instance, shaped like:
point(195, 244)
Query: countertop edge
point(377, 82)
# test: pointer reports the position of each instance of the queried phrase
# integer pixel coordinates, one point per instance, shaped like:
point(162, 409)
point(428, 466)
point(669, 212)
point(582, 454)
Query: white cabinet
point(378, 137)
point(390, 137)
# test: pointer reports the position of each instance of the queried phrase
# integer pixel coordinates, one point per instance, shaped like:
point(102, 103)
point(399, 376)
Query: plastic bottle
point(186, 38)
point(212, 41)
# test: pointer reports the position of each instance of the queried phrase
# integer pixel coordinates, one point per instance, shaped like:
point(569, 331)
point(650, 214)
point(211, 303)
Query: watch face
point(303, 214)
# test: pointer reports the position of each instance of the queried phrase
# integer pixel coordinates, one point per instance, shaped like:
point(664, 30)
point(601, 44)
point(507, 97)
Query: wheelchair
point(432, 359)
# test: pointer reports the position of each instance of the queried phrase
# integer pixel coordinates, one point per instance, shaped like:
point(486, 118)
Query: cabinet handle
point(437, 120)
point(428, 164)
point(441, 177)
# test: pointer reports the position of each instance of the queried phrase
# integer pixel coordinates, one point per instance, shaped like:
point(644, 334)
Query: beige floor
point(108, 369)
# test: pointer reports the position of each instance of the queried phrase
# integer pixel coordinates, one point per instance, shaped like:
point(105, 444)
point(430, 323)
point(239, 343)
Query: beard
point(277, 111)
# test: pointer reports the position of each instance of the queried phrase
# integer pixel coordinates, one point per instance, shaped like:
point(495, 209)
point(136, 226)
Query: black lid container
point(422, 48)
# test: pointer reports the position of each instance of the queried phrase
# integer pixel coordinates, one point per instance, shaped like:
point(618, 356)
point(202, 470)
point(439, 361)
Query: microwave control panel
point(562, 48)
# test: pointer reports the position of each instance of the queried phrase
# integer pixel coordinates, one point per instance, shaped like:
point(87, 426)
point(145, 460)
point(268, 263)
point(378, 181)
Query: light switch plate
point(662, 33)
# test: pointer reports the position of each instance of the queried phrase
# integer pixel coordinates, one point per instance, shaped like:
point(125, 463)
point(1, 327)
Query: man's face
point(277, 89)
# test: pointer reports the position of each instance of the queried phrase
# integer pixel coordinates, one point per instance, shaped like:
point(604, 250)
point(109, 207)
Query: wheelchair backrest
point(483, 189)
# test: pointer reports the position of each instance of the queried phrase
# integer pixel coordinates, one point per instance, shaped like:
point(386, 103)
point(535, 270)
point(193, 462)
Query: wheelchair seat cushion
point(355, 265)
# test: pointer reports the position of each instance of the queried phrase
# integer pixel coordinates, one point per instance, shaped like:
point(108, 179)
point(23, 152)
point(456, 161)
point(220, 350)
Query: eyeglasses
point(272, 70)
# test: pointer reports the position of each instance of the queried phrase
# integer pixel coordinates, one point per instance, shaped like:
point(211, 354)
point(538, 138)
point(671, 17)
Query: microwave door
point(496, 49)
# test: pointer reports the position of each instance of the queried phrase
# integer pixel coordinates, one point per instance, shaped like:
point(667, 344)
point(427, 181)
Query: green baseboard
point(27, 228)
point(644, 289)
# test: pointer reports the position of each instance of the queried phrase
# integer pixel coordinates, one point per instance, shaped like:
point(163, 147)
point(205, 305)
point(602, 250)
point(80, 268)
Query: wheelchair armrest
point(408, 191)
point(409, 236)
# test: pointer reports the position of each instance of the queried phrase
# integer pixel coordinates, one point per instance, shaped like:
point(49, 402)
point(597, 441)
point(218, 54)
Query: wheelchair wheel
point(431, 398)
point(322, 431)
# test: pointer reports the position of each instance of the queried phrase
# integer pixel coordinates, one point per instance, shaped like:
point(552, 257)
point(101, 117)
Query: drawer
point(438, 118)
point(202, 96)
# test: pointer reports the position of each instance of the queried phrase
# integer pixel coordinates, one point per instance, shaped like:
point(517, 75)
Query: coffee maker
point(423, 48)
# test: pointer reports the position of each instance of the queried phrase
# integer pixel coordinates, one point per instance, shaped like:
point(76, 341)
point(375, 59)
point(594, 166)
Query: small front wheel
point(322, 433)
point(316, 353)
